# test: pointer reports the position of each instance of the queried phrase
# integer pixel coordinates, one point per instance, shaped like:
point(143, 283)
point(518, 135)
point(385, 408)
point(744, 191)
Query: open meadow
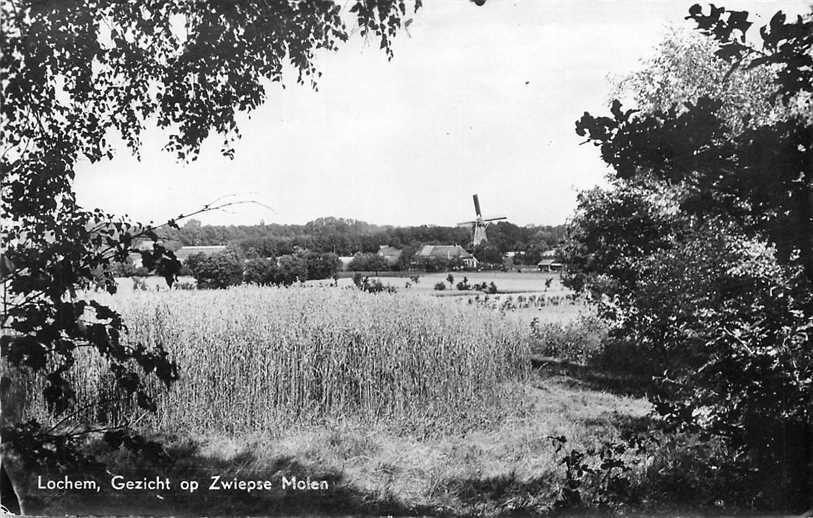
point(403, 403)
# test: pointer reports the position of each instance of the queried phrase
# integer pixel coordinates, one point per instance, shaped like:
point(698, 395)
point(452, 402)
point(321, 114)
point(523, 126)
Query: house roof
point(144, 245)
point(390, 254)
point(186, 251)
point(389, 251)
point(444, 252)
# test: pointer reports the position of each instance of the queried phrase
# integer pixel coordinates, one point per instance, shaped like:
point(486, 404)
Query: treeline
point(228, 268)
point(345, 237)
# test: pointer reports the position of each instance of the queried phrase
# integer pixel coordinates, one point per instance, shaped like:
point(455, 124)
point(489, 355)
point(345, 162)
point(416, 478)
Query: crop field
point(262, 358)
point(431, 399)
point(428, 398)
point(527, 282)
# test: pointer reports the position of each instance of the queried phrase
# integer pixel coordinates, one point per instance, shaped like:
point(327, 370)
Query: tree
point(291, 269)
point(684, 68)
point(321, 266)
point(721, 287)
point(368, 262)
point(487, 253)
point(261, 271)
point(216, 271)
point(74, 73)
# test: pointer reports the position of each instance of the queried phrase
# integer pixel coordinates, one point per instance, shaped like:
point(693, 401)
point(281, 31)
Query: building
point(549, 262)
point(135, 257)
point(185, 252)
point(345, 262)
point(447, 253)
point(391, 254)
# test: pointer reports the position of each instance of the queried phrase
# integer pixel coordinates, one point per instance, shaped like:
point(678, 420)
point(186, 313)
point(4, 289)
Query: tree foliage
point(78, 76)
point(368, 262)
point(321, 266)
point(216, 271)
point(704, 248)
point(346, 237)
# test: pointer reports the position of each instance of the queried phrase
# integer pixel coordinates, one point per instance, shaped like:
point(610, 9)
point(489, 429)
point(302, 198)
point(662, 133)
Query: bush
point(664, 467)
point(486, 287)
point(577, 341)
point(440, 286)
point(439, 264)
point(125, 269)
point(464, 285)
point(720, 322)
point(261, 271)
point(368, 262)
point(291, 269)
point(372, 285)
point(321, 266)
point(216, 271)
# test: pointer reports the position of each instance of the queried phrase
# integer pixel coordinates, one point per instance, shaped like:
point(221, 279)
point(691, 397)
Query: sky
point(476, 100)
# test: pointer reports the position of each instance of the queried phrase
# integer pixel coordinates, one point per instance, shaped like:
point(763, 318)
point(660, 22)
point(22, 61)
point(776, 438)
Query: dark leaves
point(784, 44)
point(136, 444)
point(39, 449)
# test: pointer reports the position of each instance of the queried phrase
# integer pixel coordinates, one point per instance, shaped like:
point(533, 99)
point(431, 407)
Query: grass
point(407, 404)
point(506, 466)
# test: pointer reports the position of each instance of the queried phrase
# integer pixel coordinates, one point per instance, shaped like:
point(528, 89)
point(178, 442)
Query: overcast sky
point(477, 100)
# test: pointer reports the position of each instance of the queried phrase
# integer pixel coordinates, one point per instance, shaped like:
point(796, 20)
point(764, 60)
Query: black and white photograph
point(406, 258)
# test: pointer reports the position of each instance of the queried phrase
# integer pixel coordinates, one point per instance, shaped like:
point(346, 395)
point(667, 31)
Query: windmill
point(478, 226)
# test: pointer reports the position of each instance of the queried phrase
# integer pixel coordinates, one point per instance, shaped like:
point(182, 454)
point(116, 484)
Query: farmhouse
point(345, 262)
point(447, 252)
point(185, 252)
point(390, 254)
point(549, 262)
point(135, 257)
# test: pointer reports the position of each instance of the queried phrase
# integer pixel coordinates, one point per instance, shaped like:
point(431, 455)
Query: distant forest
point(346, 237)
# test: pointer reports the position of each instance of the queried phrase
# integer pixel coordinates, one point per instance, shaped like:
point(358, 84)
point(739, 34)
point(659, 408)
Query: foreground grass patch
point(507, 465)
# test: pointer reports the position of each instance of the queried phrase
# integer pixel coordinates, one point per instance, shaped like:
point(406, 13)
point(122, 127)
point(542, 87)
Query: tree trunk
point(8, 495)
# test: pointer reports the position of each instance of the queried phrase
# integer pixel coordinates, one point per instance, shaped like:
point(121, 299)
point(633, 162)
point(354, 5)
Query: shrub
point(440, 286)
point(321, 266)
point(372, 285)
point(216, 271)
point(579, 340)
point(261, 271)
point(368, 262)
point(439, 264)
point(486, 287)
point(464, 285)
point(291, 269)
point(123, 269)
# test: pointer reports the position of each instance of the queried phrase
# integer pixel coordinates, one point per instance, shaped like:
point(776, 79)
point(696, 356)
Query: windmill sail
point(478, 226)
